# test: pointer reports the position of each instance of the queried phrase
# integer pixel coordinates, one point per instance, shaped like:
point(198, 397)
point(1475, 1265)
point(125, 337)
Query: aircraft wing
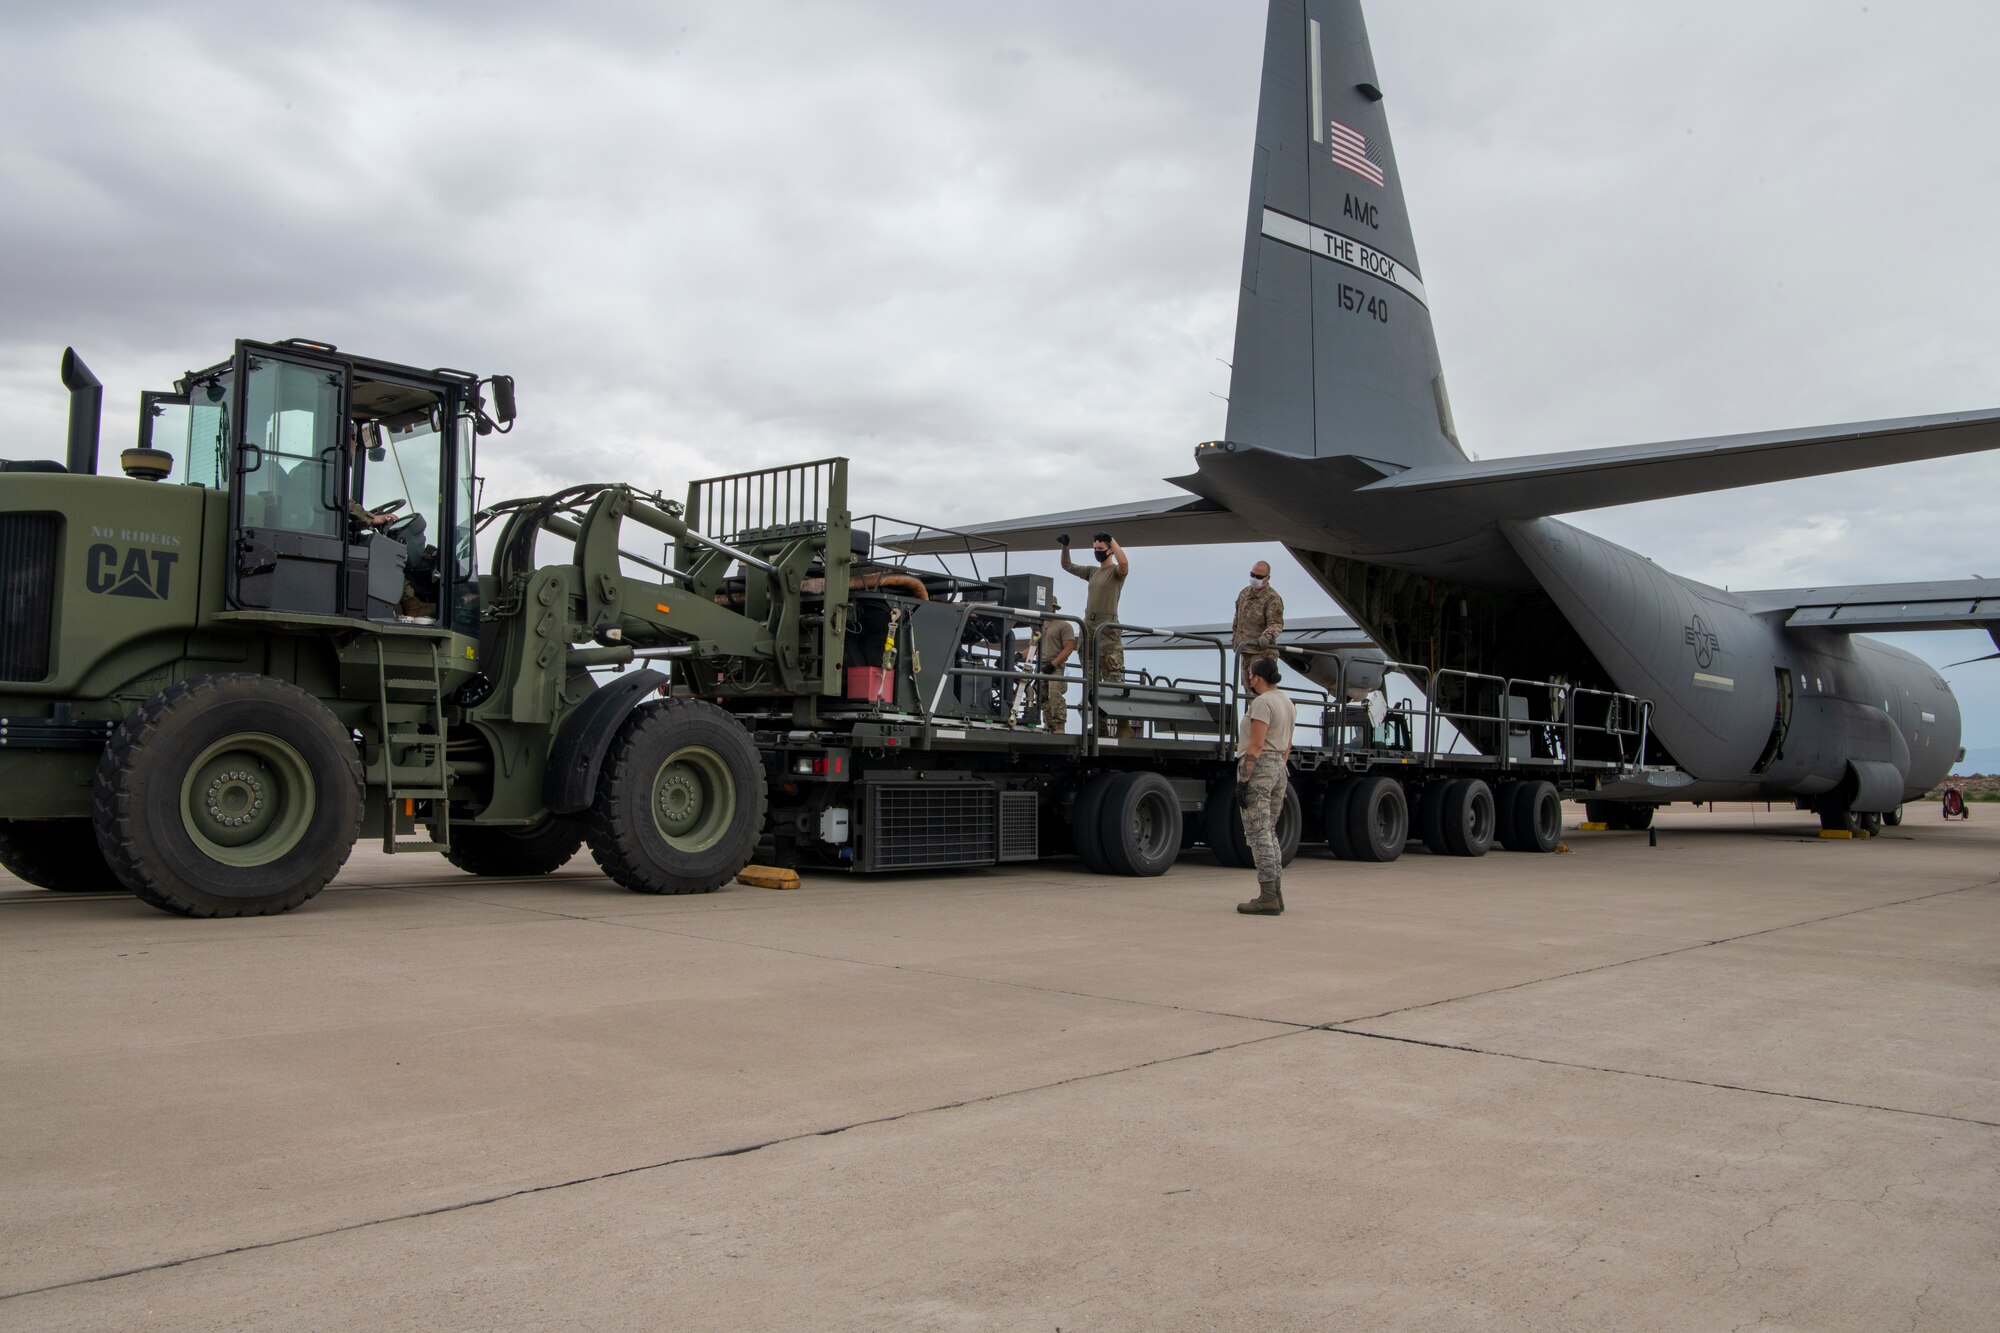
point(1881, 608)
point(1537, 485)
point(1175, 520)
point(1322, 632)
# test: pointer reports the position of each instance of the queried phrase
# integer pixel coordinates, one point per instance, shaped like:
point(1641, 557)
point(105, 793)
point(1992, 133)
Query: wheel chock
point(767, 877)
point(1593, 826)
point(1836, 833)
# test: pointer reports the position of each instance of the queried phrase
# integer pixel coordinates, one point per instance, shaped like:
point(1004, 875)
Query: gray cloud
point(991, 253)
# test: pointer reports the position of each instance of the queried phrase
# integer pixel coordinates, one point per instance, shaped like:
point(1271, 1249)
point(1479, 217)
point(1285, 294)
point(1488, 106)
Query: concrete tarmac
point(1747, 1079)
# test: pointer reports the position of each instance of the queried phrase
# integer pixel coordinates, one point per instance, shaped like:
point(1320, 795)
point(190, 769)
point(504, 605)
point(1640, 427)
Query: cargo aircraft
point(1340, 444)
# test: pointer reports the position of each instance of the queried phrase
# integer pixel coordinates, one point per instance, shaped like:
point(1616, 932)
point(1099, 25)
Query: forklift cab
point(350, 481)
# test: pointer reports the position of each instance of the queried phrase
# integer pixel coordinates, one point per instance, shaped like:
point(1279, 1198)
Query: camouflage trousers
point(1055, 709)
point(1110, 670)
point(1247, 656)
point(1260, 817)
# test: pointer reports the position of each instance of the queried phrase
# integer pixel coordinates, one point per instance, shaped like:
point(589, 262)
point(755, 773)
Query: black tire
point(1290, 830)
point(495, 849)
point(1468, 817)
point(1836, 816)
point(1639, 818)
point(1086, 822)
point(680, 800)
point(1378, 820)
point(1140, 824)
point(1333, 818)
point(228, 795)
point(1222, 824)
point(1537, 816)
point(1869, 823)
point(58, 854)
point(1430, 816)
point(1893, 818)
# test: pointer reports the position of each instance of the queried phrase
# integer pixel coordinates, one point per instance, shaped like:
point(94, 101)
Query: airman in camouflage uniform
point(1260, 619)
point(1050, 649)
point(1100, 607)
point(1261, 778)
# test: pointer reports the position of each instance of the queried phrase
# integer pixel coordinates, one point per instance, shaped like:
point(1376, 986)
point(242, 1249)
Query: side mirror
point(503, 398)
point(376, 453)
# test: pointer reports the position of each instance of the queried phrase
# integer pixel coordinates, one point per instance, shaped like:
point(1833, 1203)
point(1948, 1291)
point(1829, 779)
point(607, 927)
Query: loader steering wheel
point(389, 508)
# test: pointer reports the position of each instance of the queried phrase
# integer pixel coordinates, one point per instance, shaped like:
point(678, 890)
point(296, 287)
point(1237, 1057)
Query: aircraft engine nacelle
point(1835, 741)
point(1353, 673)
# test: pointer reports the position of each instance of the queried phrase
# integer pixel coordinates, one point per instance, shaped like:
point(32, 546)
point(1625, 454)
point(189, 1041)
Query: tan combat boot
point(1268, 902)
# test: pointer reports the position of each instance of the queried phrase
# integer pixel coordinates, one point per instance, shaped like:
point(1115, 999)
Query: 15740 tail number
point(1361, 303)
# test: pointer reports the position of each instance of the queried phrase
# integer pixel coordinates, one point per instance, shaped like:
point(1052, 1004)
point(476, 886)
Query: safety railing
point(969, 544)
point(769, 502)
point(1437, 729)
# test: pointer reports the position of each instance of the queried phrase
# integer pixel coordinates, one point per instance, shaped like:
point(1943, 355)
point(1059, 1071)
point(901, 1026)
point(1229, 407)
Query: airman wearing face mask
point(1260, 619)
point(1105, 647)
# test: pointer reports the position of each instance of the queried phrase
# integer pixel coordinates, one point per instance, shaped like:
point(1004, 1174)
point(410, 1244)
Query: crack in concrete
point(1664, 953)
point(1292, 1028)
point(1340, 1030)
point(526, 1191)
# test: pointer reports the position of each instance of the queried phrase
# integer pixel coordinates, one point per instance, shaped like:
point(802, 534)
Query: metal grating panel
point(924, 826)
point(27, 593)
point(1020, 826)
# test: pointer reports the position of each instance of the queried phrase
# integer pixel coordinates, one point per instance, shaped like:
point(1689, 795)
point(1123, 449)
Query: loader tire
point(1223, 825)
point(1333, 818)
point(1469, 817)
point(58, 854)
point(1140, 824)
point(1534, 822)
point(1086, 822)
point(680, 800)
point(1378, 820)
point(493, 849)
point(228, 795)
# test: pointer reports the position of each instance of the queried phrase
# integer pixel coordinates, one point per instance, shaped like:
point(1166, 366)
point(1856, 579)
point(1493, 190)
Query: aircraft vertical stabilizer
point(1334, 350)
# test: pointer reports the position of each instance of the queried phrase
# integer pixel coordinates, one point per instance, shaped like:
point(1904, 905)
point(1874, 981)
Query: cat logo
point(1704, 642)
point(137, 573)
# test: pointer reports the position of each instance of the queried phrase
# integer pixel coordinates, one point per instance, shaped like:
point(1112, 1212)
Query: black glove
point(1242, 796)
point(1063, 540)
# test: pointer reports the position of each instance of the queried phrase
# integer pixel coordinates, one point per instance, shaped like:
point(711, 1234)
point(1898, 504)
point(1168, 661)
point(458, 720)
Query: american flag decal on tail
point(1352, 151)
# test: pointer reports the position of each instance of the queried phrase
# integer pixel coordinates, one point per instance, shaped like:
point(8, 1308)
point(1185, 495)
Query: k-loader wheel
point(59, 854)
point(680, 800)
point(228, 795)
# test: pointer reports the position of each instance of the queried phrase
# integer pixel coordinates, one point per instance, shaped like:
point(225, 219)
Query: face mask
point(1102, 556)
point(1257, 581)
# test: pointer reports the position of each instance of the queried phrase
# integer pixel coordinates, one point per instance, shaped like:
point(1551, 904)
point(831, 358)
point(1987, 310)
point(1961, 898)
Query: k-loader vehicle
point(272, 636)
point(213, 683)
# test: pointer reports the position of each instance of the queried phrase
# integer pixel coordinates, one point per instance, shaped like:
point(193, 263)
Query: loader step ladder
point(424, 739)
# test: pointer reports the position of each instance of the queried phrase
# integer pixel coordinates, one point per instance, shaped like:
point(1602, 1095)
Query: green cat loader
point(271, 637)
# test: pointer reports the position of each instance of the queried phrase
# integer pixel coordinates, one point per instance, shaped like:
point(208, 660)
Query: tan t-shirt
point(1275, 710)
point(1105, 585)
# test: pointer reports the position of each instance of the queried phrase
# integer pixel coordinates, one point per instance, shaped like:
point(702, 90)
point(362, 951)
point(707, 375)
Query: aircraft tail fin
point(1334, 350)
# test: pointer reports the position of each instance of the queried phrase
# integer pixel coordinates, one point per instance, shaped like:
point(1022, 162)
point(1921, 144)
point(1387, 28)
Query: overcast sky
point(990, 253)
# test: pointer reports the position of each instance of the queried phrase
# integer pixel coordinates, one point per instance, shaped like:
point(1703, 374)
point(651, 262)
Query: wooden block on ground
point(768, 877)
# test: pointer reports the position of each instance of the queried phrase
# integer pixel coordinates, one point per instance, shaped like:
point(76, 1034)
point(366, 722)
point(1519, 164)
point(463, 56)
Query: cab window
point(292, 420)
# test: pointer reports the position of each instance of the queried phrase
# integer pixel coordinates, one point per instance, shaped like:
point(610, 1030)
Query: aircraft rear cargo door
point(288, 506)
